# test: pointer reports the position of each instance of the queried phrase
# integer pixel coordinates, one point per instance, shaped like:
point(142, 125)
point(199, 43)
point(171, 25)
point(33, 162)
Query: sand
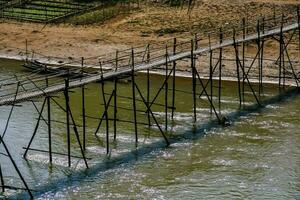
point(152, 23)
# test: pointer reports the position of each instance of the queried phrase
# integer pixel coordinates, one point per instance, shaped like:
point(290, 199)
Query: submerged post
point(211, 73)
point(211, 77)
point(298, 17)
point(259, 57)
point(220, 71)
point(262, 56)
point(174, 78)
point(2, 180)
point(115, 97)
point(49, 122)
point(66, 93)
point(280, 55)
point(133, 96)
point(166, 89)
point(83, 108)
point(105, 110)
point(243, 64)
point(148, 85)
point(193, 80)
point(237, 67)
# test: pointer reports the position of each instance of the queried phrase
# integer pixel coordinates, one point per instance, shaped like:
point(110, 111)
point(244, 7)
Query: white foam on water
point(57, 160)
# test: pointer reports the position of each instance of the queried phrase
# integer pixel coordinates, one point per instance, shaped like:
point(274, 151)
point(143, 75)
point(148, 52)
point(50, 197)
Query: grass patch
point(169, 30)
point(97, 16)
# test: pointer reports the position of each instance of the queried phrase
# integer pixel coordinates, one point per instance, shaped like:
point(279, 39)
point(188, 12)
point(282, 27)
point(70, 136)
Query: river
point(257, 157)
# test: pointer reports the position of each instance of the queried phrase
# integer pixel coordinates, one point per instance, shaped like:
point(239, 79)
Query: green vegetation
point(92, 17)
point(42, 11)
point(75, 12)
point(78, 12)
point(100, 15)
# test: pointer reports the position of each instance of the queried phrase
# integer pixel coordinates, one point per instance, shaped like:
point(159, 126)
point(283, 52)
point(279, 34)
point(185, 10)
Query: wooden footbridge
point(243, 49)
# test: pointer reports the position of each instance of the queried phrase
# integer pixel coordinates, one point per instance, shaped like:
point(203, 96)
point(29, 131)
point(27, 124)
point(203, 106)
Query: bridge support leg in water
point(174, 79)
point(83, 117)
point(2, 186)
point(148, 86)
point(243, 61)
point(166, 89)
point(238, 71)
point(66, 93)
point(115, 98)
point(193, 69)
point(133, 96)
point(220, 72)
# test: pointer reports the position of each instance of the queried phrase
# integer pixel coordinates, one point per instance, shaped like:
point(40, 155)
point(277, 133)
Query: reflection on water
point(256, 158)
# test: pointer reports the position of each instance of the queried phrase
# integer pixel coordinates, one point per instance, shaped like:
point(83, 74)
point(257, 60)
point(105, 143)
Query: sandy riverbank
point(153, 23)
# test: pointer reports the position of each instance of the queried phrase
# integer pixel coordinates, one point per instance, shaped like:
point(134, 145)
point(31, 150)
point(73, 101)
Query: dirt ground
point(152, 23)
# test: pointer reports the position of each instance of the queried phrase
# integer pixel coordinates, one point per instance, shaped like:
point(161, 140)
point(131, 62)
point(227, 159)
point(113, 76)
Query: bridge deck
point(123, 70)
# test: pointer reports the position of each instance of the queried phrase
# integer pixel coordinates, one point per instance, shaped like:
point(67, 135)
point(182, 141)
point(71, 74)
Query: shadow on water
point(130, 158)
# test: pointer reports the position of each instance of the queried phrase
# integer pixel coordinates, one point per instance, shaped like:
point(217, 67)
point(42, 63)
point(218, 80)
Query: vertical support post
point(148, 85)
point(115, 97)
point(49, 128)
point(49, 122)
point(243, 63)
point(211, 73)
point(220, 71)
point(66, 93)
point(83, 109)
point(283, 55)
point(2, 180)
point(262, 56)
point(193, 80)
point(174, 78)
point(133, 96)
point(280, 54)
point(237, 68)
point(26, 50)
point(105, 110)
point(83, 117)
point(283, 63)
point(166, 89)
point(259, 57)
point(298, 16)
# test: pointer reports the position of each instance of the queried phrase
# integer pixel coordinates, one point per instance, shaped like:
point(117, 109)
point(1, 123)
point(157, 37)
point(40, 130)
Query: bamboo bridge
point(215, 48)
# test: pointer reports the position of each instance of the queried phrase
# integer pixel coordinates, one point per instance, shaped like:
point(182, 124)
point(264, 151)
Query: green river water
point(257, 157)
